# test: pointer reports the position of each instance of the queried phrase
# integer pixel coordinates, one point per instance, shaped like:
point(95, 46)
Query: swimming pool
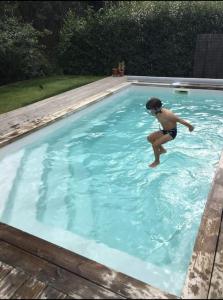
point(84, 183)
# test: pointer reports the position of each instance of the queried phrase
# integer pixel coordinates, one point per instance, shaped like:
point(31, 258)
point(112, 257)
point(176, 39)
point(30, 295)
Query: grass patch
point(26, 92)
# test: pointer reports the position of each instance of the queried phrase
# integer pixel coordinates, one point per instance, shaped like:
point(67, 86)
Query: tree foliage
point(21, 56)
point(90, 37)
point(153, 37)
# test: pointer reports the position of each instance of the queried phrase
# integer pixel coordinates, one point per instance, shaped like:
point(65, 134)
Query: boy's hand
point(191, 128)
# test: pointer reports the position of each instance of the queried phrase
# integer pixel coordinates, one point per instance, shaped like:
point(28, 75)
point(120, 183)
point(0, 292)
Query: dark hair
point(153, 103)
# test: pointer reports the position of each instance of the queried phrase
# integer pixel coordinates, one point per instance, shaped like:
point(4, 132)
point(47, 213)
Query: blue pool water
point(84, 183)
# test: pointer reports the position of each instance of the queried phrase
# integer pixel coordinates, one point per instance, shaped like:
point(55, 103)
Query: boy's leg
point(162, 149)
point(157, 157)
point(153, 137)
point(156, 148)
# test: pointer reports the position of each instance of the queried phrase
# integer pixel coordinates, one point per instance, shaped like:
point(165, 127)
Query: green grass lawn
point(22, 93)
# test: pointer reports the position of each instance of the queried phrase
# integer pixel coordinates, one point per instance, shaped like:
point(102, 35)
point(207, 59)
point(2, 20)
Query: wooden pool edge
point(98, 274)
point(199, 277)
point(198, 280)
point(35, 125)
point(170, 85)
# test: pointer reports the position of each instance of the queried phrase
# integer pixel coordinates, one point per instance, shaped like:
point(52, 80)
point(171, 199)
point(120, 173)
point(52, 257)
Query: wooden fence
point(208, 60)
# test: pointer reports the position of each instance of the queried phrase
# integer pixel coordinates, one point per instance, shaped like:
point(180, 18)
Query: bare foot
point(154, 164)
point(163, 151)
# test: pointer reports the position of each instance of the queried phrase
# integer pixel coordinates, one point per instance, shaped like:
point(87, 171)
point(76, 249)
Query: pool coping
point(35, 125)
point(199, 275)
point(105, 278)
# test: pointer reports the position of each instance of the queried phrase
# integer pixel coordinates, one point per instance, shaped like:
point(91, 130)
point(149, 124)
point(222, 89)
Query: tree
point(21, 56)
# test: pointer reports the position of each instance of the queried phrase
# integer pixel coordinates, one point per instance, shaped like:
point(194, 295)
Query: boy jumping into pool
point(168, 120)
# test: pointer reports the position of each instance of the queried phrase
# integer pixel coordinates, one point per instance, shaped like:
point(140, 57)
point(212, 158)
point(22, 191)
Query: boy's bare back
point(167, 119)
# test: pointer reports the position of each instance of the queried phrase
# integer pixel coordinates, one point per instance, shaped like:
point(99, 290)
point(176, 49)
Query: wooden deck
point(34, 113)
point(31, 268)
point(216, 286)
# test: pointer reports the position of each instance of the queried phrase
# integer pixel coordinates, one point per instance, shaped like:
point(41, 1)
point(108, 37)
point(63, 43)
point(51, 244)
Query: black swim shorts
point(171, 132)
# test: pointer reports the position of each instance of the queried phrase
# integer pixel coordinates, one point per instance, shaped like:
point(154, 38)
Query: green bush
point(21, 56)
point(152, 37)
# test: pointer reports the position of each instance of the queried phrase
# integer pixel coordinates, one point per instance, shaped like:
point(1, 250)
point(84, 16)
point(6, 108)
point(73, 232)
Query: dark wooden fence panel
point(208, 60)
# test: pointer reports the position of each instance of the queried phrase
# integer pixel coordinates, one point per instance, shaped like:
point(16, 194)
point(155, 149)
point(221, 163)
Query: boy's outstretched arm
point(183, 122)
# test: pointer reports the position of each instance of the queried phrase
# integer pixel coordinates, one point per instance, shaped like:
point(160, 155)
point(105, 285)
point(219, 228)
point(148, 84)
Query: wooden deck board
point(67, 272)
point(31, 289)
point(46, 107)
point(216, 288)
point(10, 283)
point(51, 274)
point(51, 293)
point(31, 268)
point(4, 270)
